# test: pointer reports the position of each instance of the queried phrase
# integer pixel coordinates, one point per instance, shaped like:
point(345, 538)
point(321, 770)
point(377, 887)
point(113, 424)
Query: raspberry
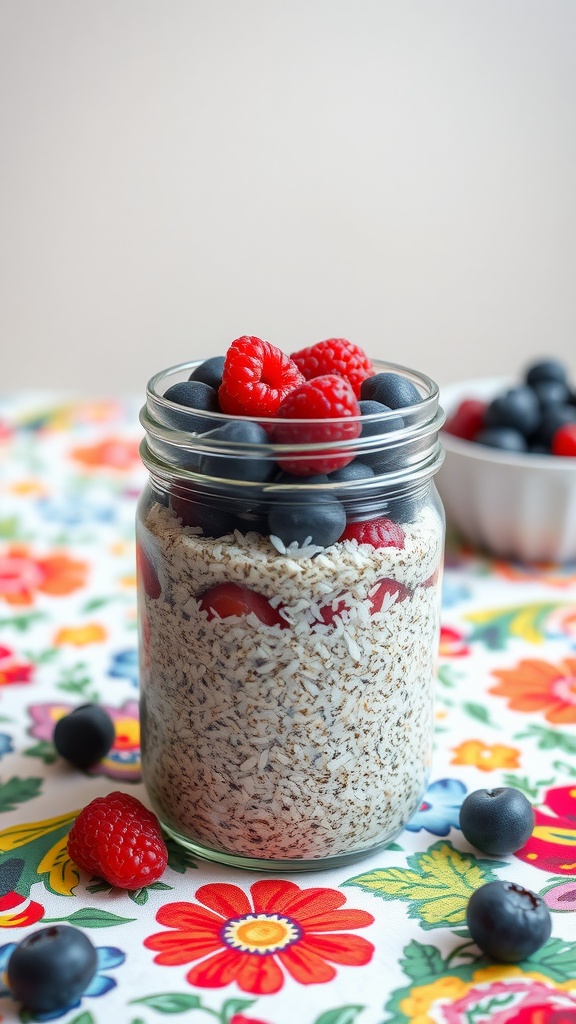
point(336, 355)
point(467, 420)
point(380, 533)
point(386, 593)
point(226, 599)
point(256, 377)
point(323, 398)
point(118, 839)
point(564, 440)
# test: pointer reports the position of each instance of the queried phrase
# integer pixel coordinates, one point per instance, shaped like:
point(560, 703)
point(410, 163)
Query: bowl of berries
point(508, 481)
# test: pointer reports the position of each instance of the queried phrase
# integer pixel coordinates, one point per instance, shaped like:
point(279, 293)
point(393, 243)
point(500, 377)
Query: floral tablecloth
point(383, 941)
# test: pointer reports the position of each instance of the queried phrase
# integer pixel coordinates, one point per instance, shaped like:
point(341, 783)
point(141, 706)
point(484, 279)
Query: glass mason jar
point(288, 627)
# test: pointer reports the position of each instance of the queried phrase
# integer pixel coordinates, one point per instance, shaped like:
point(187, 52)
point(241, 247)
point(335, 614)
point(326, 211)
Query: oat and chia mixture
point(304, 740)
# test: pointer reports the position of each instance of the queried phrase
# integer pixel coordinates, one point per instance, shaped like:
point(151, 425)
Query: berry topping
point(146, 574)
point(508, 922)
point(117, 838)
point(257, 376)
point(380, 533)
point(230, 599)
point(497, 821)
point(322, 399)
point(84, 736)
point(564, 440)
point(467, 419)
point(51, 968)
point(390, 389)
point(192, 394)
point(337, 355)
point(210, 372)
point(386, 593)
point(241, 466)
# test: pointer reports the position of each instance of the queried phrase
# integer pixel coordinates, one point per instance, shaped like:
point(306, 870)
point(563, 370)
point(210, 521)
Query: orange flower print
point(251, 941)
point(22, 575)
point(80, 636)
point(452, 643)
point(110, 453)
point(13, 669)
point(540, 686)
point(17, 911)
point(486, 757)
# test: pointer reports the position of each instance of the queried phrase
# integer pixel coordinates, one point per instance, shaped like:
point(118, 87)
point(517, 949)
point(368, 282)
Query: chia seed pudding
point(296, 730)
point(299, 742)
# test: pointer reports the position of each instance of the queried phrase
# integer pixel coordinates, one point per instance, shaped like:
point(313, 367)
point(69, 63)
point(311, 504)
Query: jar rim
point(429, 401)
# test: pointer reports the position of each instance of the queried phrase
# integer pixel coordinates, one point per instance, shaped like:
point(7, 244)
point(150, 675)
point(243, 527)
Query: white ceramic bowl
point(517, 506)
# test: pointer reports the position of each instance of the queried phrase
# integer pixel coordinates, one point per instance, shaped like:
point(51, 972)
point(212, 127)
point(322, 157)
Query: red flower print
point(452, 643)
point(21, 575)
point(239, 1018)
point(17, 911)
point(543, 1013)
point(12, 669)
point(250, 941)
point(552, 845)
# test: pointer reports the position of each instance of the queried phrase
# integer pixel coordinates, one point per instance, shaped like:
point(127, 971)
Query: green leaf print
point(88, 917)
point(83, 1018)
point(521, 782)
point(548, 739)
point(44, 750)
point(341, 1015)
point(24, 621)
point(557, 960)
point(16, 791)
point(421, 962)
point(179, 858)
point(479, 712)
point(169, 1002)
point(437, 883)
point(235, 1005)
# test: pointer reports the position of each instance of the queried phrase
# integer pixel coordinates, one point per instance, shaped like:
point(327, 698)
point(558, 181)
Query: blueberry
point(506, 438)
point(390, 389)
point(212, 520)
point(551, 420)
point(508, 922)
point(319, 517)
point(497, 821)
point(546, 369)
point(210, 372)
point(517, 408)
point(551, 393)
point(51, 968)
point(241, 466)
point(84, 736)
point(194, 395)
point(355, 470)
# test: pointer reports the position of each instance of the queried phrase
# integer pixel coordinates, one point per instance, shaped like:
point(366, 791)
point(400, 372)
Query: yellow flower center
point(261, 933)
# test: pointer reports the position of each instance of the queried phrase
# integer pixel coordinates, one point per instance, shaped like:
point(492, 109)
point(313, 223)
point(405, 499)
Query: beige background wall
point(179, 172)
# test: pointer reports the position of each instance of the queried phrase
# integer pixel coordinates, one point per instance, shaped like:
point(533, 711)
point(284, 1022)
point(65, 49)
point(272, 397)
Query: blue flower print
point(453, 592)
point(108, 957)
point(5, 744)
point(76, 510)
point(125, 665)
point(440, 808)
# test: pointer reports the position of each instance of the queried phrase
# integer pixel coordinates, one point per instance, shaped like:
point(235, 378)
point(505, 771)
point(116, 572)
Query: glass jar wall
point(288, 629)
